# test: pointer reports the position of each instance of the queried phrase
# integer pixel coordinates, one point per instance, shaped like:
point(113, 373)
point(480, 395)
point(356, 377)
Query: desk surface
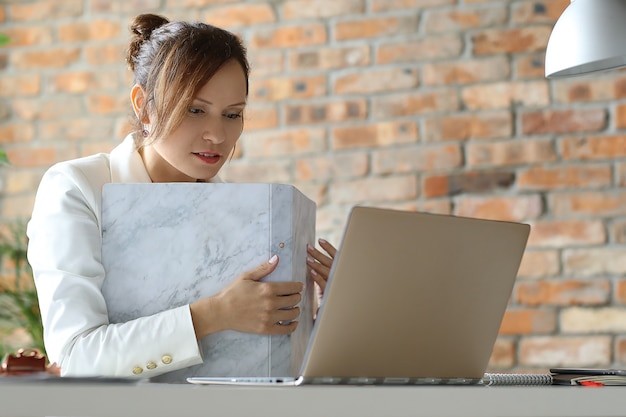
point(156, 400)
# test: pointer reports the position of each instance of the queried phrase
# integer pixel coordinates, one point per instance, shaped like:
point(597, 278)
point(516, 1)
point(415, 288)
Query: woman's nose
point(214, 134)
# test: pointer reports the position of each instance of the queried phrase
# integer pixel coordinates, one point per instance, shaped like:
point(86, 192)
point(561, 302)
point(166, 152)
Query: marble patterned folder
point(166, 245)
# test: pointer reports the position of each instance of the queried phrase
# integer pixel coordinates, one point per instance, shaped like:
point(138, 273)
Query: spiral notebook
point(412, 298)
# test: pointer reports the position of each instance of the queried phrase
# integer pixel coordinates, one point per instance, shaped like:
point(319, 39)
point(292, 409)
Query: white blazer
point(64, 250)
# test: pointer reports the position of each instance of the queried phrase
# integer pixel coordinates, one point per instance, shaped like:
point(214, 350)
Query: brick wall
point(433, 105)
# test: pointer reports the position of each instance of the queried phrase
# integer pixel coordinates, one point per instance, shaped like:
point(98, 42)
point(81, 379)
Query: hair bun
point(142, 27)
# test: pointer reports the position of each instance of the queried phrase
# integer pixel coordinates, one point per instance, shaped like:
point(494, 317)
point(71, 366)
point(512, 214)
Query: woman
point(189, 96)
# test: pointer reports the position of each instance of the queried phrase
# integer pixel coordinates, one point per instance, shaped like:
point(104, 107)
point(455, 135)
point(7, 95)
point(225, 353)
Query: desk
point(160, 400)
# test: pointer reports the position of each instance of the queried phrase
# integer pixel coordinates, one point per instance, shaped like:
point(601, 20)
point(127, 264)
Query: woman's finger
point(319, 256)
point(330, 249)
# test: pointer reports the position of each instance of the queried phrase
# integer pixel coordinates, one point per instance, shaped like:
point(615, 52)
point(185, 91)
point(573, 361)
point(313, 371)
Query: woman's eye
point(233, 115)
point(195, 110)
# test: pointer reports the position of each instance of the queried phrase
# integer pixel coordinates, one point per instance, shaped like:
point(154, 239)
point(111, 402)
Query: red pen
point(591, 383)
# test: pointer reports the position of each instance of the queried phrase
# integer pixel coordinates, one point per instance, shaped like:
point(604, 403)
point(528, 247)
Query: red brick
point(5, 110)
point(124, 125)
point(331, 218)
point(438, 185)
point(412, 103)
point(530, 66)
point(563, 121)
point(508, 41)
point(506, 94)
point(465, 126)
point(266, 63)
point(281, 88)
point(582, 320)
point(50, 58)
point(96, 30)
point(620, 116)
point(375, 81)
point(563, 292)
point(108, 104)
point(264, 144)
point(593, 203)
point(30, 157)
point(329, 58)
point(17, 205)
point(549, 178)
point(377, 27)
point(84, 81)
point(236, 15)
point(620, 350)
point(305, 9)
point(16, 132)
point(566, 233)
point(375, 135)
point(617, 231)
point(106, 54)
point(543, 11)
point(45, 10)
point(391, 5)
point(267, 170)
point(593, 147)
point(442, 206)
point(20, 181)
point(76, 129)
point(418, 50)
point(289, 36)
point(556, 351)
point(405, 160)
point(508, 208)
point(465, 19)
point(373, 190)
point(333, 166)
point(260, 117)
point(507, 153)
point(502, 355)
point(326, 112)
point(466, 72)
point(31, 36)
point(20, 85)
point(540, 264)
point(49, 108)
point(620, 291)
point(92, 148)
point(610, 87)
point(524, 321)
point(187, 4)
point(594, 261)
point(128, 6)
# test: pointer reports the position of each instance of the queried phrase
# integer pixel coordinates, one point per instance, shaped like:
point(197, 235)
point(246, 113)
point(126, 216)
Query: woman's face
point(198, 148)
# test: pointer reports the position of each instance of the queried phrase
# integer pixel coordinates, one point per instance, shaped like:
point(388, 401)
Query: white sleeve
point(64, 251)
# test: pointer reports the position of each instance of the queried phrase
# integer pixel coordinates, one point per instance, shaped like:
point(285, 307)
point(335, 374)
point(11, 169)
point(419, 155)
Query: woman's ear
point(137, 98)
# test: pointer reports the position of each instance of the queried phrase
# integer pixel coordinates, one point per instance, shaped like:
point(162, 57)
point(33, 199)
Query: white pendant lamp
point(589, 36)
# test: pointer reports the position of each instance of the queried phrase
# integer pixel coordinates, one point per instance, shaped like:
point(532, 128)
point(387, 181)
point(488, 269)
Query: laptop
point(412, 298)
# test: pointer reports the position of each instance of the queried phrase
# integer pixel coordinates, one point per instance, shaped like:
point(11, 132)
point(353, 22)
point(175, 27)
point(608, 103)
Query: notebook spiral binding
point(490, 379)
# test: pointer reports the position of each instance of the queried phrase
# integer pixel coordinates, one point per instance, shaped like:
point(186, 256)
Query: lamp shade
point(589, 36)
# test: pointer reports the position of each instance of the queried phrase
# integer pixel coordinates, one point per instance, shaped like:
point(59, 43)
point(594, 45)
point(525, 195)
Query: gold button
point(166, 359)
point(137, 370)
point(151, 365)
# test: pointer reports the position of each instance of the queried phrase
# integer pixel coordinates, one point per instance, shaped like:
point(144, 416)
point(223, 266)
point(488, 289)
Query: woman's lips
point(208, 157)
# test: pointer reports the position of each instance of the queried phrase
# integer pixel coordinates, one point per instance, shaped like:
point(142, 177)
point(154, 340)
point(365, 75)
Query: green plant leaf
point(4, 39)
point(4, 159)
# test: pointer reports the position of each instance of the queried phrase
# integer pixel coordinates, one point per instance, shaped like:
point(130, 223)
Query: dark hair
point(173, 60)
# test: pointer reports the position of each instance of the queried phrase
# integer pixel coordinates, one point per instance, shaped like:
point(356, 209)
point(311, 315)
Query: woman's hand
point(250, 306)
point(320, 263)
